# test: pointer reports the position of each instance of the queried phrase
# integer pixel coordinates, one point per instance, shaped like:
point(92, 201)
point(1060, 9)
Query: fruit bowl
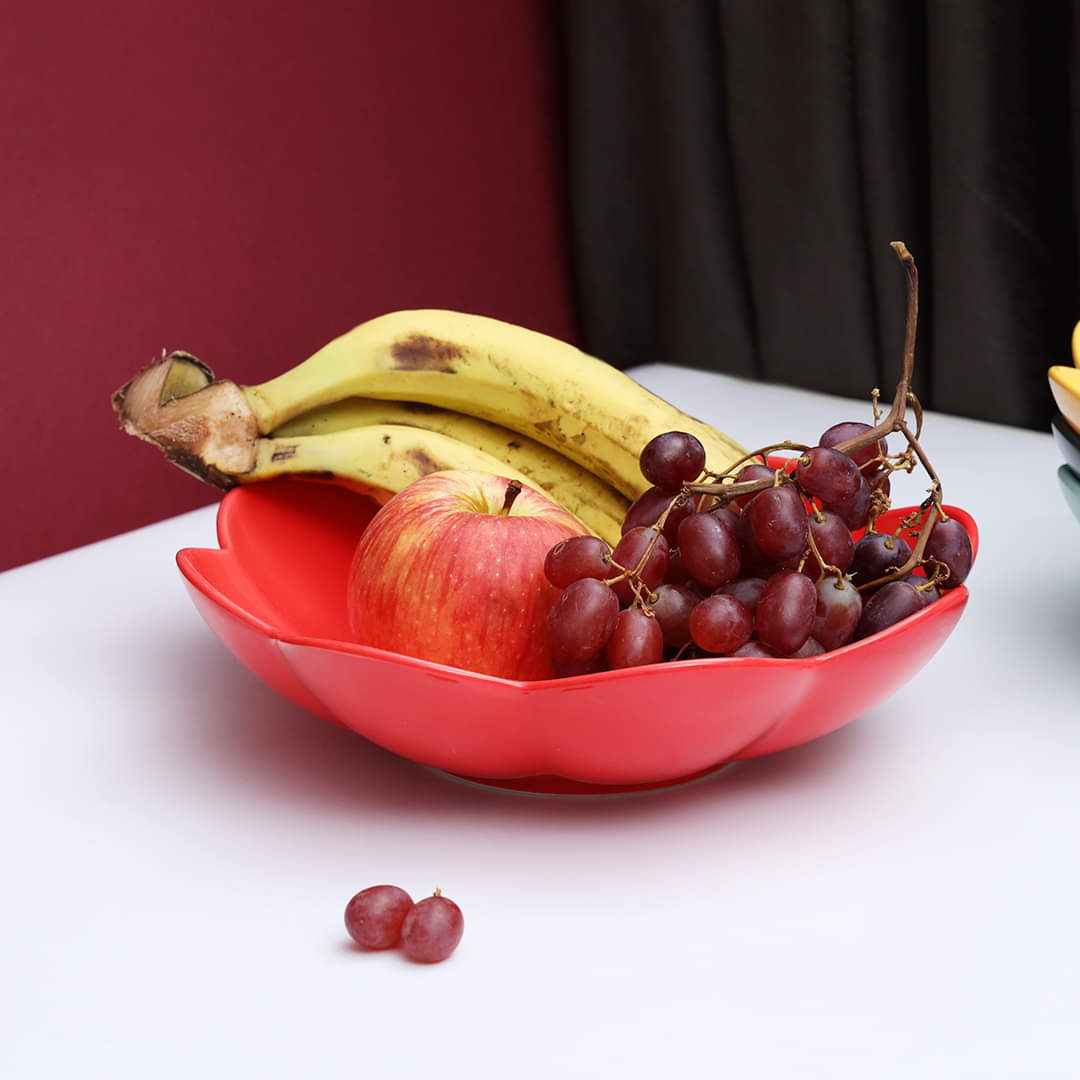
point(274, 593)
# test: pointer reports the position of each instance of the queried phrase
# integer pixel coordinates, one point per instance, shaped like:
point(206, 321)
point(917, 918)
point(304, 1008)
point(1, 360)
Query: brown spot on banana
point(551, 427)
point(283, 453)
point(423, 353)
point(424, 462)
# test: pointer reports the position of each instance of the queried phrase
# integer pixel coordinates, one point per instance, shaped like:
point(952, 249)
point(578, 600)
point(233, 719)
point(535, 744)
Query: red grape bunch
point(760, 561)
point(779, 556)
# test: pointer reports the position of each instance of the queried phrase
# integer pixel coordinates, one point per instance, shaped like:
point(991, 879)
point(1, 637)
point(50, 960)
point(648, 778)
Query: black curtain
point(738, 169)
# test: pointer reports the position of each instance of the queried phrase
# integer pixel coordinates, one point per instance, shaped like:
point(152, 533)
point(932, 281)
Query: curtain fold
point(738, 169)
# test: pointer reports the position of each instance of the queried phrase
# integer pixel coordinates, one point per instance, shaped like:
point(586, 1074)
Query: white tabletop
point(896, 900)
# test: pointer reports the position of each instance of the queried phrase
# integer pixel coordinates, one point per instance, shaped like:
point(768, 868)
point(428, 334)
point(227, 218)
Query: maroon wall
point(245, 182)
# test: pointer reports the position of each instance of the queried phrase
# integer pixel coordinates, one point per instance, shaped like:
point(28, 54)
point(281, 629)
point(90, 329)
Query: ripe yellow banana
point(537, 385)
point(581, 492)
point(1065, 386)
point(379, 459)
point(1076, 345)
point(530, 383)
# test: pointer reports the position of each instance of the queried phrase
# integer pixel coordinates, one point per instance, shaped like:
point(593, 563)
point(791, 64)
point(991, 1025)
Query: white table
point(897, 900)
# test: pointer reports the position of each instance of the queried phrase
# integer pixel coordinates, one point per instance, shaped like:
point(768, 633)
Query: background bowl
point(1065, 388)
point(274, 593)
point(1070, 488)
point(1067, 440)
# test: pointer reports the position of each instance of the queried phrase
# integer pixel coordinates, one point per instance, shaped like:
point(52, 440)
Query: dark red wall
point(246, 181)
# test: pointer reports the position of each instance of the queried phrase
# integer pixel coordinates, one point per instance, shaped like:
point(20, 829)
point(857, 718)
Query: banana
point(1065, 386)
point(1076, 345)
point(581, 492)
point(207, 429)
point(379, 459)
point(536, 385)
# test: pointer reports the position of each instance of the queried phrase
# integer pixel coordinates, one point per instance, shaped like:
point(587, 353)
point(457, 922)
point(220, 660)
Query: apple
point(451, 569)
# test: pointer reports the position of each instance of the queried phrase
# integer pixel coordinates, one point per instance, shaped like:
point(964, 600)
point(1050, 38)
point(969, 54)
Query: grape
point(751, 472)
point(672, 608)
point(747, 590)
point(833, 540)
point(891, 603)
point(828, 474)
point(638, 639)
point(755, 649)
point(373, 917)
point(852, 429)
point(677, 572)
point(727, 515)
point(629, 552)
point(927, 593)
point(585, 667)
point(672, 459)
point(950, 544)
point(778, 521)
point(880, 482)
point(581, 621)
point(854, 512)
point(810, 647)
point(875, 554)
point(755, 563)
point(720, 624)
point(432, 929)
point(878, 478)
point(709, 547)
point(839, 608)
point(647, 508)
point(577, 557)
point(785, 611)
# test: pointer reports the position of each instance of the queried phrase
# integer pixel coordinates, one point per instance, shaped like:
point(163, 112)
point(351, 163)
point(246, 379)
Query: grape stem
point(823, 566)
point(894, 418)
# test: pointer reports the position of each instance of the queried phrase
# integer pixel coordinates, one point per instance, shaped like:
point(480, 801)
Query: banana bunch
point(414, 392)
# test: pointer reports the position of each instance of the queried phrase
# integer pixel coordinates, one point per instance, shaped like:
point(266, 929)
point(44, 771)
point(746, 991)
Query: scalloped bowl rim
point(950, 597)
point(320, 673)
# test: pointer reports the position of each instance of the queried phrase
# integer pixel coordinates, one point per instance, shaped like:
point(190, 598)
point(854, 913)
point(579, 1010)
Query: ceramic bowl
point(1065, 388)
point(1067, 440)
point(274, 593)
point(1070, 488)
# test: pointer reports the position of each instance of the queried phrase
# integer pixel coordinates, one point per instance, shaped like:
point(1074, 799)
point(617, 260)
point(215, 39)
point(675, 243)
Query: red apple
point(445, 572)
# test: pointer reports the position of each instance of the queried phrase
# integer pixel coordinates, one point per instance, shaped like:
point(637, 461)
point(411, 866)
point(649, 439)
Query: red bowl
point(274, 593)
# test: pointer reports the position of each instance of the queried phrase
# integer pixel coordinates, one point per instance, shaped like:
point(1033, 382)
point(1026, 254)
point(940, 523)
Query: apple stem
point(513, 490)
